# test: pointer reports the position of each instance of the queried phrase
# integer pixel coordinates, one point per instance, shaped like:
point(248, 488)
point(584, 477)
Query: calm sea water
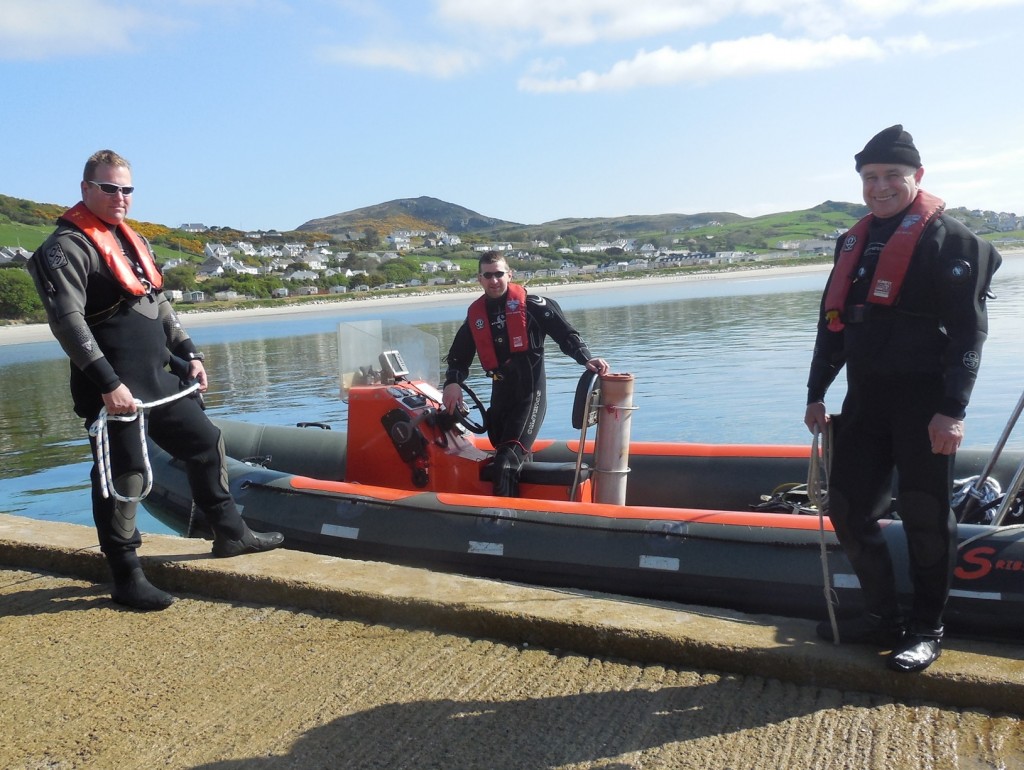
point(714, 361)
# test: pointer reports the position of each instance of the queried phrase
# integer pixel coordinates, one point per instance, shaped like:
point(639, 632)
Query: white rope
point(99, 431)
point(821, 461)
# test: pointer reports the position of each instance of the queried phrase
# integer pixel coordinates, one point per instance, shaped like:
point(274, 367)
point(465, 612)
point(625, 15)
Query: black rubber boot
point(132, 589)
point(885, 631)
point(506, 472)
point(249, 542)
point(920, 648)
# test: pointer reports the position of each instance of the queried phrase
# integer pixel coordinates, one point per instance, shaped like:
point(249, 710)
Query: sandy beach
point(18, 334)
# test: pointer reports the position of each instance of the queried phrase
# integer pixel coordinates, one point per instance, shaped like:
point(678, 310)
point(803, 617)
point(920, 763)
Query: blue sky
point(262, 114)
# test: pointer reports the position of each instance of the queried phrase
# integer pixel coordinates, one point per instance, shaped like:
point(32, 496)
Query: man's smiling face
point(889, 188)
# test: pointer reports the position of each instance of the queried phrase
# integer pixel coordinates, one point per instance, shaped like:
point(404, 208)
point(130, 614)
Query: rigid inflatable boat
point(718, 525)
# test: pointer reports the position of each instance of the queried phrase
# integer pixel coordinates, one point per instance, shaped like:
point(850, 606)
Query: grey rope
point(821, 461)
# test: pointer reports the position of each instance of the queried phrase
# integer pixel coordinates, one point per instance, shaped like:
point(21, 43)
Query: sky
point(265, 114)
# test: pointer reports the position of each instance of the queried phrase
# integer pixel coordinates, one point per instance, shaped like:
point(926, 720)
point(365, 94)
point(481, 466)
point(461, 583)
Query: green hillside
point(423, 213)
point(27, 223)
point(772, 231)
point(783, 236)
point(27, 236)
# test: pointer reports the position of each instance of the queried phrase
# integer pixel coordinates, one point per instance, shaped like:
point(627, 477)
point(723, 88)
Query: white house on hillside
point(302, 275)
point(212, 267)
point(240, 268)
point(217, 250)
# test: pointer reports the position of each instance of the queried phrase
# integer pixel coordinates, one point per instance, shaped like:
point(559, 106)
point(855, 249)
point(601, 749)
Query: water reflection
point(37, 426)
point(720, 361)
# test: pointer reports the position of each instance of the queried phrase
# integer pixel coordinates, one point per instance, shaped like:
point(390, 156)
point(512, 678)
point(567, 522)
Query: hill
point(725, 229)
point(427, 213)
point(634, 225)
point(423, 213)
point(771, 231)
point(27, 223)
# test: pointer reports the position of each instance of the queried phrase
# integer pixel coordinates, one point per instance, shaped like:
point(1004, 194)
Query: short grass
point(27, 236)
point(31, 236)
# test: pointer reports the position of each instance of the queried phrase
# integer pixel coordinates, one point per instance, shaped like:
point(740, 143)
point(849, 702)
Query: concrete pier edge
point(970, 674)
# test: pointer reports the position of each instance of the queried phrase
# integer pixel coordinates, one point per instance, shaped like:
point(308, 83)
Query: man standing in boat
point(506, 328)
point(904, 310)
point(102, 292)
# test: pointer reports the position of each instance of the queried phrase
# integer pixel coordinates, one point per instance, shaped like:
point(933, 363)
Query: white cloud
point(965, 175)
point(50, 29)
point(703, 63)
point(940, 7)
point(799, 35)
point(577, 22)
point(580, 22)
point(993, 159)
point(432, 61)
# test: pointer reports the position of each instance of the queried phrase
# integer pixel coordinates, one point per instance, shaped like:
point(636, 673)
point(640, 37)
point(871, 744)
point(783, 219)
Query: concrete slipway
point(293, 659)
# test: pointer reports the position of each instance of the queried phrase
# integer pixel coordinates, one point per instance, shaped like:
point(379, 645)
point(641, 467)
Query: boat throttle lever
point(410, 444)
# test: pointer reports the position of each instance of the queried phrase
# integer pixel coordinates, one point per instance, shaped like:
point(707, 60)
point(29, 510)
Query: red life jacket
point(515, 319)
point(893, 262)
point(106, 243)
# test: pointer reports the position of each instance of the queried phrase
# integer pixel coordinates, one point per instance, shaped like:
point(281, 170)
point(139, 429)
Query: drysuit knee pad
point(124, 512)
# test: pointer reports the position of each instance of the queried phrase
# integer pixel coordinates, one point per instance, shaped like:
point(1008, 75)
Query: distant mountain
point(633, 225)
point(714, 230)
point(423, 213)
point(427, 213)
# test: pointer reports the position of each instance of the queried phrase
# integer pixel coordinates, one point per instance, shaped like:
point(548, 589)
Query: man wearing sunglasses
point(102, 292)
point(506, 329)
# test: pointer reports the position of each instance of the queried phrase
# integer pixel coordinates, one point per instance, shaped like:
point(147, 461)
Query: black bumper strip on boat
point(660, 528)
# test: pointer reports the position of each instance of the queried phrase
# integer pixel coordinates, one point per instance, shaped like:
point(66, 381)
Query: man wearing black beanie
point(904, 310)
point(892, 145)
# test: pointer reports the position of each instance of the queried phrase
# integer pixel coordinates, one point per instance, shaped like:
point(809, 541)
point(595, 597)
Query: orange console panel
point(394, 441)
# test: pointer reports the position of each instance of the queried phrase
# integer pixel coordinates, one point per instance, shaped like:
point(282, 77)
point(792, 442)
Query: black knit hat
point(893, 145)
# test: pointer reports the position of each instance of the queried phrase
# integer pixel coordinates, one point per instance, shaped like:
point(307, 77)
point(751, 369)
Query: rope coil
point(821, 461)
point(99, 431)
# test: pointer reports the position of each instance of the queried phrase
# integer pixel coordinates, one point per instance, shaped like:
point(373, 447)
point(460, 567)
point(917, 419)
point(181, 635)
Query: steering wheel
point(464, 420)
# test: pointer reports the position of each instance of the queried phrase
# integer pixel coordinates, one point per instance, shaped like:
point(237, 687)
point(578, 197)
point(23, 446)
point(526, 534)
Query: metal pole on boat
point(1010, 497)
point(611, 447)
point(974, 492)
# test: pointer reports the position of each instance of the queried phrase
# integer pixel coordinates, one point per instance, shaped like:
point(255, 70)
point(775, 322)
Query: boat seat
point(535, 472)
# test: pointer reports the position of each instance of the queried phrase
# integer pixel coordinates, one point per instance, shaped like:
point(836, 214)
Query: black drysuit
point(114, 338)
point(905, 363)
point(518, 389)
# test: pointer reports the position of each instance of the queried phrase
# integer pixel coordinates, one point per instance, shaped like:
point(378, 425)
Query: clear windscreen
point(370, 352)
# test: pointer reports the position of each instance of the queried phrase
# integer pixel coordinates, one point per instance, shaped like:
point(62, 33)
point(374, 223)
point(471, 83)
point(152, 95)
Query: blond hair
point(103, 158)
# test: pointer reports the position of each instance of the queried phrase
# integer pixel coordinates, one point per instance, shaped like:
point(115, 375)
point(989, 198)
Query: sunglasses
point(113, 189)
point(495, 274)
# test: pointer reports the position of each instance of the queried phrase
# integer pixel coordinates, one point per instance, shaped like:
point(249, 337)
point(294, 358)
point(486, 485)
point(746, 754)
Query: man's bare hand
point(119, 401)
point(815, 417)
point(946, 434)
point(451, 397)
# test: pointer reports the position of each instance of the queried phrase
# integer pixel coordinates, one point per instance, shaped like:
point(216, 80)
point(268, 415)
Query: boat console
point(399, 434)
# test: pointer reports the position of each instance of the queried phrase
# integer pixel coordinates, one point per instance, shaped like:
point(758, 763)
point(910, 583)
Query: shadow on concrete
point(546, 732)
